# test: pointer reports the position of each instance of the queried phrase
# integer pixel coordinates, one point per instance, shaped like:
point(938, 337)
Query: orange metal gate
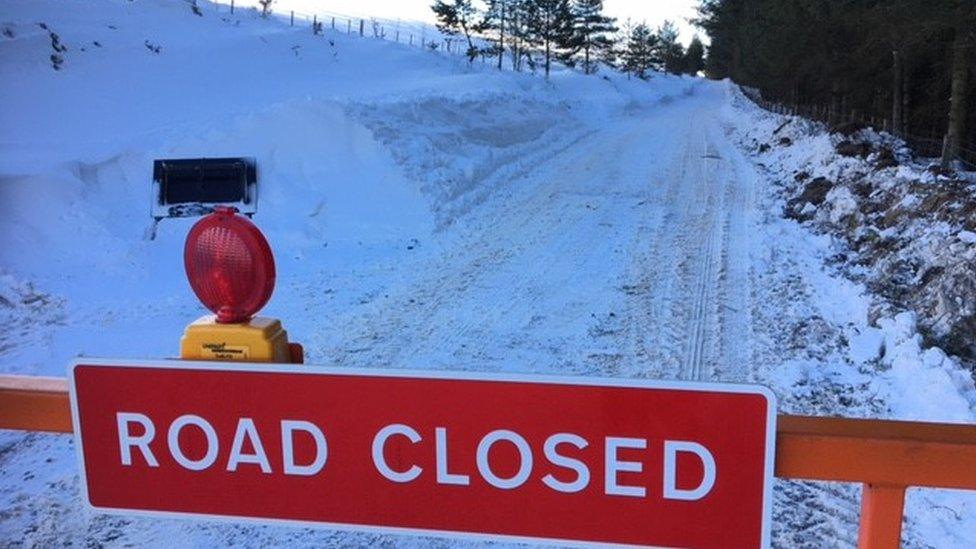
point(887, 457)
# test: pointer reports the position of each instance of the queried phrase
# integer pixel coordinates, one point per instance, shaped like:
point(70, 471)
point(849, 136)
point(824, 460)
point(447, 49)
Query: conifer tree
point(457, 17)
point(640, 55)
point(494, 24)
point(614, 53)
point(517, 32)
point(670, 52)
point(591, 30)
point(694, 61)
point(550, 28)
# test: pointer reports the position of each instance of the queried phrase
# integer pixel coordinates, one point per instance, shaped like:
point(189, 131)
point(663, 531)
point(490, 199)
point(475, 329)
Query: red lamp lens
point(229, 265)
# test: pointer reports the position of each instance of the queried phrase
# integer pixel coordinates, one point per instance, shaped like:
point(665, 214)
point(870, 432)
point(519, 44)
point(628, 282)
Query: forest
point(905, 65)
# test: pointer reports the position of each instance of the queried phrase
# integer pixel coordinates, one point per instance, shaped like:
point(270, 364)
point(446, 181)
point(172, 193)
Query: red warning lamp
point(230, 265)
point(231, 269)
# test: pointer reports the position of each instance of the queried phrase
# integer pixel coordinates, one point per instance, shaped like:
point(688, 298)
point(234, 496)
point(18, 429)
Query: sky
point(653, 11)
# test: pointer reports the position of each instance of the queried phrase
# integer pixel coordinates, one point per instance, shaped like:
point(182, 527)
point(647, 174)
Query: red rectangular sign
point(559, 458)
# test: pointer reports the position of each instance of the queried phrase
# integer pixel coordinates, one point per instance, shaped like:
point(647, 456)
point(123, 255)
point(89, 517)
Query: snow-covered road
point(624, 254)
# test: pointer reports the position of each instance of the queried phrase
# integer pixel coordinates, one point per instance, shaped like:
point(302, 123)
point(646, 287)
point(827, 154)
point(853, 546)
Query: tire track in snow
point(699, 326)
point(676, 321)
point(660, 311)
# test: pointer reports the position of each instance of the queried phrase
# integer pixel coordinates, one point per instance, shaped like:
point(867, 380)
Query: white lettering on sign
point(137, 431)
point(582, 472)
point(525, 459)
point(127, 441)
point(288, 428)
point(379, 443)
point(247, 430)
point(671, 449)
point(175, 450)
point(613, 465)
point(443, 475)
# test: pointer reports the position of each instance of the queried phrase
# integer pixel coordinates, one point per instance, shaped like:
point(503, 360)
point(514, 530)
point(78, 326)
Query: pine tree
point(457, 17)
point(694, 61)
point(669, 50)
point(962, 52)
point(640, 55)
point(590, 31)
point(550, 27)
point(614, 53)
point(516, 29)
point(494, 24)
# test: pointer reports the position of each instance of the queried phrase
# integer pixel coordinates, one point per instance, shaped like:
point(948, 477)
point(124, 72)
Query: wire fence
point(410, 33)
point(922, 146)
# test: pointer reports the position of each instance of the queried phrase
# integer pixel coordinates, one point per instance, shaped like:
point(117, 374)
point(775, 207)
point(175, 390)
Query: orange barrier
point(32, 403)
point(887, 457)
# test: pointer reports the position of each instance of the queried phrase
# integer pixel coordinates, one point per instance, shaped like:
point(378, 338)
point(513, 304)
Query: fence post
point(348, 26)
point(882, 508)
point(397, 36)
point(411, 39)
point(361, 22)
point(292, 18)
point(315, 22)
point(333, 23)
point(232, 7)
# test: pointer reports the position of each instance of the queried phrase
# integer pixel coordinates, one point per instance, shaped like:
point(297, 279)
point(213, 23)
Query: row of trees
point(908, 62)
point(640, 50)
point(535, 33)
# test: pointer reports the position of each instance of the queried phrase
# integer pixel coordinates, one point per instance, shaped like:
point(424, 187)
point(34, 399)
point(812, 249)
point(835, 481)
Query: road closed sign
point(528, 457)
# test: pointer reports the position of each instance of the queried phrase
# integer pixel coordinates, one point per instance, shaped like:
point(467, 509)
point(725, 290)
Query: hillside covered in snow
point(434, 214)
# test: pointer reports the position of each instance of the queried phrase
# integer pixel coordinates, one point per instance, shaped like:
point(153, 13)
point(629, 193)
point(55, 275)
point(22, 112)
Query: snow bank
point(857, 353)
point(922, 384)
point(900, 228)
point(904, 224)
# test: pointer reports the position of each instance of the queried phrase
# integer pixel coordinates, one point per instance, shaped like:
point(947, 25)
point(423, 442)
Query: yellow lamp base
point(258, 340)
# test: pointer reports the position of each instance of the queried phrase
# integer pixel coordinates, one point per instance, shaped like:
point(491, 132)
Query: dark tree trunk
point(906, 101)
point(736, 62)
point(835, 104)
point(501, 38)
point(897, 101)
point(961, 51)
point(548, 54)
point(516, 46)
